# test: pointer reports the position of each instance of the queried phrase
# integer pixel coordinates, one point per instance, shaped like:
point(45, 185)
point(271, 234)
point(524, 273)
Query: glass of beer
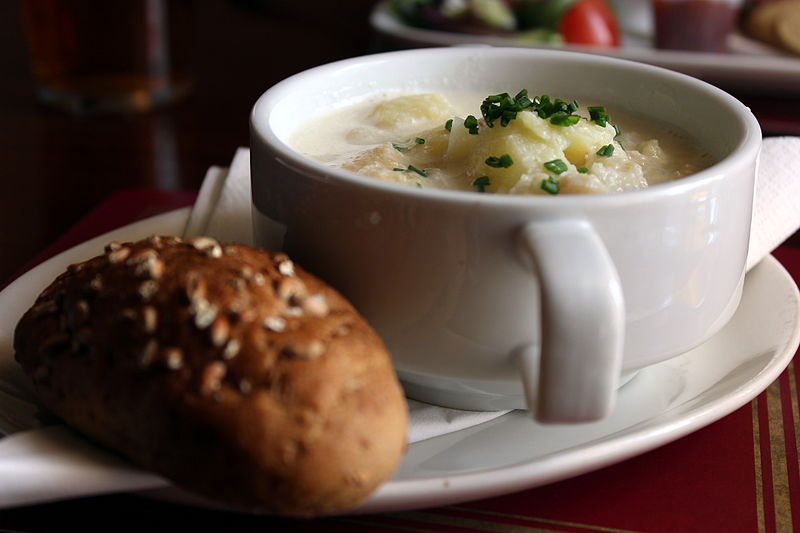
point(95, 56)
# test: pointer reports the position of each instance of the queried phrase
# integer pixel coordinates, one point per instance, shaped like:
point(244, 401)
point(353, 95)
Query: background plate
point(754, 67)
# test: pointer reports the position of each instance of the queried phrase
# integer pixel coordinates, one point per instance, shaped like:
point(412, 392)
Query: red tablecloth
point(738, 474)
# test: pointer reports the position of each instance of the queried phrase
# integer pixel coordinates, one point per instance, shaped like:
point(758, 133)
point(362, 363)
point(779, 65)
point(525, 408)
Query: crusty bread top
point(227, 368)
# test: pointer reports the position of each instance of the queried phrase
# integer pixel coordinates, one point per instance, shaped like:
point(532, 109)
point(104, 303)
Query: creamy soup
point(513, 144)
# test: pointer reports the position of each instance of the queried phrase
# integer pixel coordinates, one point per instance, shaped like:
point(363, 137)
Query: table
point(101, 172)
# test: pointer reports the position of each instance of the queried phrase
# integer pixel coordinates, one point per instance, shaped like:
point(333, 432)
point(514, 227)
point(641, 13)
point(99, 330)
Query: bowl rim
point(745, 151)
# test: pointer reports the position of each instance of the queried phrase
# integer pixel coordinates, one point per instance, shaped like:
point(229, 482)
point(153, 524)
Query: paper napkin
point(222, 208)
point(53, 463)
point(776, 210)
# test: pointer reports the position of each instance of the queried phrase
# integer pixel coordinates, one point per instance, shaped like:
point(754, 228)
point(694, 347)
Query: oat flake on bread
point(227, 369)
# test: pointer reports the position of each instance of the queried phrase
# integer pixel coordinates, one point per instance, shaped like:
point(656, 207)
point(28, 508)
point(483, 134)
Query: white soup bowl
point(490, 301)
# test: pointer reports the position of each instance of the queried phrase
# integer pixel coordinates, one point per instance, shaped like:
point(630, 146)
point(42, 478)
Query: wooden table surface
point(56, 168)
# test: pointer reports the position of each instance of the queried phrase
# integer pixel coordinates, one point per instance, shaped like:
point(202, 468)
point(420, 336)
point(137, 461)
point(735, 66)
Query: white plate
point(754, 66)
point(662, 403)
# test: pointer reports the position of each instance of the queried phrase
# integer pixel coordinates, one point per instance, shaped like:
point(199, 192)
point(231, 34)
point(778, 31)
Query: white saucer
point(510, 453)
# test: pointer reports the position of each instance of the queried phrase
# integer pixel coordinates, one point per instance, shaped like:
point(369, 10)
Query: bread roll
point(227, 369)
point(776, 22)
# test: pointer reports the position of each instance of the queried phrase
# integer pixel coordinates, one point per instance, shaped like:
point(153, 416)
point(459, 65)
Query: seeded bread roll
point(227, 369)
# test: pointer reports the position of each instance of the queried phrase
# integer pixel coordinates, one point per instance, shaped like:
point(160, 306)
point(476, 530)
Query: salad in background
point(584, 22)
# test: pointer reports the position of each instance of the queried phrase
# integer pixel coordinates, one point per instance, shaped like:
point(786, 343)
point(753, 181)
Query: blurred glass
point(697, 25)
point(635, 16)
point(98, 56)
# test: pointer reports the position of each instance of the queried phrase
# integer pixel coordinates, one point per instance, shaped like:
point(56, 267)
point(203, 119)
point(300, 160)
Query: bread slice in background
point(776, 22)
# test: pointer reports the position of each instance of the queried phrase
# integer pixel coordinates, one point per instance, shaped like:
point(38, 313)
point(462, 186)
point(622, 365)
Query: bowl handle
point(572, 374)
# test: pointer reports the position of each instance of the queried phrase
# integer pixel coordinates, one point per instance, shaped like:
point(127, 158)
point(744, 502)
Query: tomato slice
point(590, 22)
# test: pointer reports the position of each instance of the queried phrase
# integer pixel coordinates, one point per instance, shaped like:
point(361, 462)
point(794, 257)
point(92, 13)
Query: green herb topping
point(606, 150)
point(558, 111)
point(471, 123)
point(504, 107)
point(412, 168)
point(481, 183)
point(504, 161)
point(583, 170)
point(546, 108)
point(448, 125)
point(402, 148)
point(556, 166)
point(597, 113)
point(422, 173)
point(561, 118)
point(550, 185)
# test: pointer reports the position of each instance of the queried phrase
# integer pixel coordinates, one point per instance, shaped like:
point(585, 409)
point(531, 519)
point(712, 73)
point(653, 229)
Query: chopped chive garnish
point(550, 185)
point(598, 114)
point(448, 125)
point(400, 148)
point(583, 170)
point(471, 123)
point(562, 118)
point(504, 161)
point(556, 166)
point(546, 108)
point(422, 173)
point(504, 107)
point(481, 183)
point(412, 168)
point(606, 150)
